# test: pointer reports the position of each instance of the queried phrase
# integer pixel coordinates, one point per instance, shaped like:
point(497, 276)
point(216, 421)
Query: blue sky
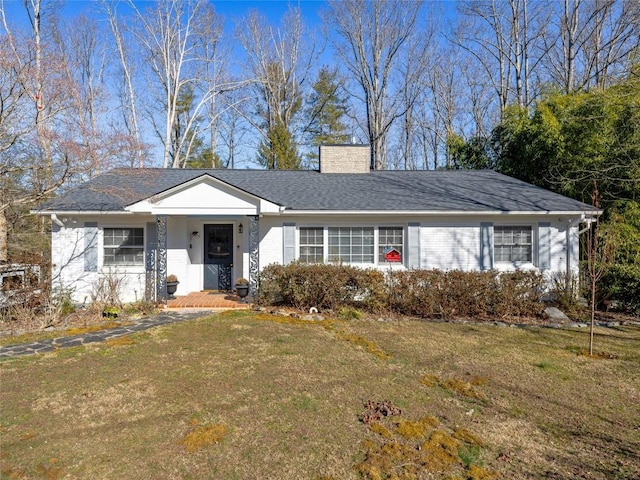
point(273, 9)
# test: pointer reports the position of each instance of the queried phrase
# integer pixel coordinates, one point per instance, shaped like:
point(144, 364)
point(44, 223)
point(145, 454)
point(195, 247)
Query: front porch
point(206, 254)
point(204, 231)
point(207, 299)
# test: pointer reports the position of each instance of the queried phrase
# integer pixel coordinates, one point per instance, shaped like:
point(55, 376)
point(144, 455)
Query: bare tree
point(170, 38)
point(591, 41)
point(373, 38)
point(129, 104)
point(232, 127)
point(600, 251)
point(279, 62)
point(417, 61)
point(213, 58)
point(502, 36)
point(83, 55)
point(35, 158)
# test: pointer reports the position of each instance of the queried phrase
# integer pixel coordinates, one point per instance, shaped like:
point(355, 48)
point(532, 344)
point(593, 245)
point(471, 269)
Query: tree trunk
point(4, 250)
point(593, 314)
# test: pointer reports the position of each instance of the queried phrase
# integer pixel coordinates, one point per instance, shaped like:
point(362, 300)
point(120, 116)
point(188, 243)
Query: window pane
point(311, 245)
point(351, 244)
point(512, 244)
point(390, 247)
point(123, 246)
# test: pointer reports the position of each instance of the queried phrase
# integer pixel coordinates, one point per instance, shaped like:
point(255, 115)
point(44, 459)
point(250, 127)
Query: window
point(312, 245)
point(512, 244)
point(123, 246)
point(390, 245)
point(351, 244)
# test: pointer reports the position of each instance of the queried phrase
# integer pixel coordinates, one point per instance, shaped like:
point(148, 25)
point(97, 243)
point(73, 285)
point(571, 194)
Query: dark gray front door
point(218, 257)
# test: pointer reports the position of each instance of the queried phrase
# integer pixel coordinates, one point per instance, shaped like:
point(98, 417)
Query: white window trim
point(534, 246)
point(324, 241)
point(377, 244)
point(376, 237)
point(133, 268)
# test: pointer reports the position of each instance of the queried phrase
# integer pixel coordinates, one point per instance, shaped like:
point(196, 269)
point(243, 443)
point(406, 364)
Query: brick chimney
point(348, 158)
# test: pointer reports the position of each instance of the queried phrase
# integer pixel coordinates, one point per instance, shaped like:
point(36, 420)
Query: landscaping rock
point(553, 313)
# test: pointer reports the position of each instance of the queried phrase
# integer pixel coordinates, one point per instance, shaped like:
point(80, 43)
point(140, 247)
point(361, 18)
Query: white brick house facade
point(209, 227)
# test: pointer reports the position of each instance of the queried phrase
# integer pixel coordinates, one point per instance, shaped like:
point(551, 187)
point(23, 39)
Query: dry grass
point(203, 436)
point(238, 396)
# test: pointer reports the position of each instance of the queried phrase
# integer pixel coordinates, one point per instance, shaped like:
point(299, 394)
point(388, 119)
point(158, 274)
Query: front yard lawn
point(251, 396)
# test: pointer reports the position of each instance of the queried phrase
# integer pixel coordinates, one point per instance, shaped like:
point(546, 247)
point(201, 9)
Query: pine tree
point(325, 111)
point(278, 151)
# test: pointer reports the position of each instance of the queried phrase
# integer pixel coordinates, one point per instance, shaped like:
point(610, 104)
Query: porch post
point(150, 263)
point(254, 245)
point(161, 258)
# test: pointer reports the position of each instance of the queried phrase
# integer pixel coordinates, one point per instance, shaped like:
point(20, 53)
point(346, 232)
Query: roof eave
point(443, 212)
point(79, 212)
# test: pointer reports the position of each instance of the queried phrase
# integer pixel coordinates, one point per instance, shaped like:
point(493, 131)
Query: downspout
point(570, 225)
point(56, 220)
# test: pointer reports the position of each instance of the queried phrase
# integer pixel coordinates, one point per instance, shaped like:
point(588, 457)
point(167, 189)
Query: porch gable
point(204, 195)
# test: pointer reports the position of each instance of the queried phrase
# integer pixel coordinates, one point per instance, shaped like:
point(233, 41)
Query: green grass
point(242, 396)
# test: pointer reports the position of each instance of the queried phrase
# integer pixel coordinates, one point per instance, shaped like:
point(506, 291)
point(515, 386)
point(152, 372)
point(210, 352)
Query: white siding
point(559, 250)
point(67, 256)
point(208, 197)
point(68, 273)
point(450, 247)
point(446, 245)
point(177, 253)
point(271, 247)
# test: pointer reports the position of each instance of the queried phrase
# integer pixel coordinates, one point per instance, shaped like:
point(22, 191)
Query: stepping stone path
point(52, 344)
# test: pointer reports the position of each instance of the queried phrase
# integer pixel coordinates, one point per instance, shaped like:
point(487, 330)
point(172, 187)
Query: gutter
point(79, 212)
point(433, 212)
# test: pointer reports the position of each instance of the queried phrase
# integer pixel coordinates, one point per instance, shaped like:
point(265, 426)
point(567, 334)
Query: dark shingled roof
point(426, 191)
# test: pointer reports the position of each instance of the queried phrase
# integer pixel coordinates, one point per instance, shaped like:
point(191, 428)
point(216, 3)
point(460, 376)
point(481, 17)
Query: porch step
point(207, 299)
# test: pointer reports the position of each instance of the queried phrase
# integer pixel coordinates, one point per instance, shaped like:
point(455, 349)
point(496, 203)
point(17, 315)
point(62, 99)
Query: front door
point(218, 257)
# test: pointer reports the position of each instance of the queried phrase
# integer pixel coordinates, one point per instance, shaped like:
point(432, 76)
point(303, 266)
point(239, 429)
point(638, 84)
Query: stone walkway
point(51, 344)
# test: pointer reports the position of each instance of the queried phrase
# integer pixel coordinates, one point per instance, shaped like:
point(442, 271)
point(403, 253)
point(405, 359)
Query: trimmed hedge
point(303, 285)
point(439, 294)
point(422, 293)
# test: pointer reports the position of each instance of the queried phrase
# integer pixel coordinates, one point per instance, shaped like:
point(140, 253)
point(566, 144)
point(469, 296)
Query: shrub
point(564, 291)
point(422, 293)
point(520, 293)
point(438, 294)
point(323, 286)
point(350, 313)
point(106, 289)
point(621, 283)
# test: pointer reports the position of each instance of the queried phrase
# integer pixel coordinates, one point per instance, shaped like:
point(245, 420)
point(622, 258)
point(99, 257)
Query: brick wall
point(345, 158)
